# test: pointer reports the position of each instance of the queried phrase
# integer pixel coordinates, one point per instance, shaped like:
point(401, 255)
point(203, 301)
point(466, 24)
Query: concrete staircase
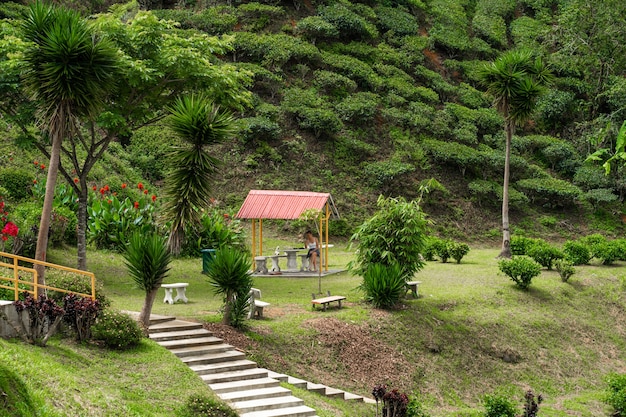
point(252, 391)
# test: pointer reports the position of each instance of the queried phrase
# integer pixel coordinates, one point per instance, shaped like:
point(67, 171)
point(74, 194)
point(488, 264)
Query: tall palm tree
point(147, 259)
point(68, 72)
point(515, 80)
point(198, 123)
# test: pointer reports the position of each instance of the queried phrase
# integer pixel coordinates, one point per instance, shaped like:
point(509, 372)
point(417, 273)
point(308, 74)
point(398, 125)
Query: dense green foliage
point(499, 406)
point(616, 393)
point(520, 269)
point(383, 285)
point(117, 330)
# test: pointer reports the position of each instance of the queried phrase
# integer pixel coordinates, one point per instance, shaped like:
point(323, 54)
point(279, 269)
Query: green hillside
point(363, 99)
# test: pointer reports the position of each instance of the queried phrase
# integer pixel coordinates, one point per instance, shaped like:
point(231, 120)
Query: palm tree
point(515, 80)
point(230, 275)
point(68, 72)
point(199, 123)
point(147, 259)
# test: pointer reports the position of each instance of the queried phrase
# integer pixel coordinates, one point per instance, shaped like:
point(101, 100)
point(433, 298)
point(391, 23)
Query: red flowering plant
point(112, 218)
point(9, 229)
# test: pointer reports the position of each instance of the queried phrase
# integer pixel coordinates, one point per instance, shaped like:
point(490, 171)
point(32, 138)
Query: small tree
point(147, 259)
point(230, 276)
point(396, 234)
point(520, 269)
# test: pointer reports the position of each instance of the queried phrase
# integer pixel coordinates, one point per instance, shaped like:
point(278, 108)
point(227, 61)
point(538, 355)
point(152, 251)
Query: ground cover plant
point(449, 347)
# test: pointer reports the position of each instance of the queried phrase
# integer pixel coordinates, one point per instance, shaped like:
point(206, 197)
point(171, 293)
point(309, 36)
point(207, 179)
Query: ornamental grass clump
point(383, 285)
point(520, 269)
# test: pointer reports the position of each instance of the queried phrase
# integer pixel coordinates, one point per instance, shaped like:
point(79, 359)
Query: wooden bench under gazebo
point(286, 205)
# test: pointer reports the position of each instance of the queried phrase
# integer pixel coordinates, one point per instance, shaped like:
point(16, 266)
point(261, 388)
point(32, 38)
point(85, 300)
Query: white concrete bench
point(325, 301)
point(257, 306)
point(275, 258)
point(180, 287)
point(304, 262)
point(260, 265)
point(413, 287)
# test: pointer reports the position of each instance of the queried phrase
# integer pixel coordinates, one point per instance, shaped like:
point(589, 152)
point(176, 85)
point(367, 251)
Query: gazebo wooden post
point(326, 251)
point(260, 237)
point(253, 243)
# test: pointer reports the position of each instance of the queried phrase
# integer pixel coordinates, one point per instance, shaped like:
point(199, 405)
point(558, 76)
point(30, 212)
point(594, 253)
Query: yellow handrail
point(16, 280)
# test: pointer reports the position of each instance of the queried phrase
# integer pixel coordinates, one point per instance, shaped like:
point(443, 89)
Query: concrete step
point(216, 368)
point(352, 397)
point(297, 382)
point(201, 350)
point(233, 386)
point(255, 394)
point(174, 325)
point(185, 343)
point(334, 393)
point(301, 411)
point(229, 355)
point(317, 388)
point(180, 334)
point(276, 375)
point(242, 375)
point(266, 404)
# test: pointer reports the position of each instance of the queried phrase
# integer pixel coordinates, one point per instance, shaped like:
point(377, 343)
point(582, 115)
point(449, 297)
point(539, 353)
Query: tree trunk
point(506, 232)
point(46, 212)
point(146, 310)
point(230, 295)
point(81, 231)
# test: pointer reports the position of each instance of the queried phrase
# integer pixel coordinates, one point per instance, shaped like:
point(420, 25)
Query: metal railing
point(25, 278)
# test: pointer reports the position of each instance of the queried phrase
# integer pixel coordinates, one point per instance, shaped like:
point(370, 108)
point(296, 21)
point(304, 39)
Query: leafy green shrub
point(415, 409)
point(76, 283)
point(17, 183)
point(205, 406)
point(395, 234)
point(565, 269)
point(498, 406)
point(490, 28)
point(458, 250)
point(349, 23)
point(521, 244)
point(589, 177)
point(599, 196)
point(576, 252)
point(520, 269)
point(442, 249)
point(430, 249)
point(453, 153)
point(260, 128)
point(549, 191)
point(333, 84)
point(353, 68)
point(396, 20)
point(383, 285)
point(358, 108)
point(381, 174)
point(274, 51)
point(315, 28)
point(616, 393)
point(449, 26)
point(608, 252)
point(255, 16)
point(116, 330)
point(544, 253)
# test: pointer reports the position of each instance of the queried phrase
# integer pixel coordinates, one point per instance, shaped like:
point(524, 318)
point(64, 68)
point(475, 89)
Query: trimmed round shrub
point(17, 183)
point(544, 254)
point(117, 330)
point(203, 405)
point(607, 252)
point(520, 269)
point(576, 252)
point(458, 251)
point(521, 244)
point(565, 269)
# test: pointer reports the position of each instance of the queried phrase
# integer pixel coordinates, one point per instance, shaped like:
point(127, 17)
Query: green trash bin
point(207, 259)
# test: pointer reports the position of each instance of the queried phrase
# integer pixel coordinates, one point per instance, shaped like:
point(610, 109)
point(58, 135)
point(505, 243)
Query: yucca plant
point(147, 258)
point(230, 275)
point(383, 285)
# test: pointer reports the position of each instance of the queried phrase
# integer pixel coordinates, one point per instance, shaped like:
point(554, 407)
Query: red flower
point(106, 188)
point(10, 229)
point(109, 201)
point(115, 193)
point(136, 204)
point(94, 188)
point(145, 191)
point(76, 180)
point(5, 238)
point(140, 186)
point(42, 166)
point(102, 190)
point(34, 181)
point(226, 215)
point(153, 198)
point(36, 163)
point(123, 185)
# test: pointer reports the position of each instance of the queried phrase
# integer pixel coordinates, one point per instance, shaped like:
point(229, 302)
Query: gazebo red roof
point(284, 205)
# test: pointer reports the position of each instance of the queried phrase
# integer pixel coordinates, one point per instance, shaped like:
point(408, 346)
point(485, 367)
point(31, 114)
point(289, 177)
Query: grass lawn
point(471, 333)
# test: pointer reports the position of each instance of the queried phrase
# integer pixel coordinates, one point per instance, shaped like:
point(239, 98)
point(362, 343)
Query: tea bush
point(520, 269)
point(359, 108)
point(616, 393)
point(565, 269)
point(499, 406)
point(396, 20)
point(314, 28)
point(255, 16)
point(544, 253)
point(576, 252)
point(116, 330)
point(350, 24)
point(333, 84)
point(458, 250)
point(550, 191)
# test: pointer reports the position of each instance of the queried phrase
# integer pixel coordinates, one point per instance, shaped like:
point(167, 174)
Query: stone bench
point(256, 309)
point(260, 265)
point(325, 301)
point(304, 262)
point(275, 258)
point(180, 287)
point(412, 286)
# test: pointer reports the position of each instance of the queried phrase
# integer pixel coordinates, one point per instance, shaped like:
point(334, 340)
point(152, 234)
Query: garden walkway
point(250, 390)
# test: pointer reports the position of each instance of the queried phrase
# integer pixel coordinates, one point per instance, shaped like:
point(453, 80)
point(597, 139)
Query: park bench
point(180, 288)
point(260, 265)
point(412, 286)
point(325, 301)
point(256, 305)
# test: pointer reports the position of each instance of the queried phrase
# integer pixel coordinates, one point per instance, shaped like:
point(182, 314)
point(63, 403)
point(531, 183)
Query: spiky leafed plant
point(198, 123)
point(68, 72)
point(147, 259)
point(383, 285)
point(230, 276)
point(515, 80)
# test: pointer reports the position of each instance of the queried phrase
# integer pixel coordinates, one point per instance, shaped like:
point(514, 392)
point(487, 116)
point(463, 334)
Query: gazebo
point(287, 205)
